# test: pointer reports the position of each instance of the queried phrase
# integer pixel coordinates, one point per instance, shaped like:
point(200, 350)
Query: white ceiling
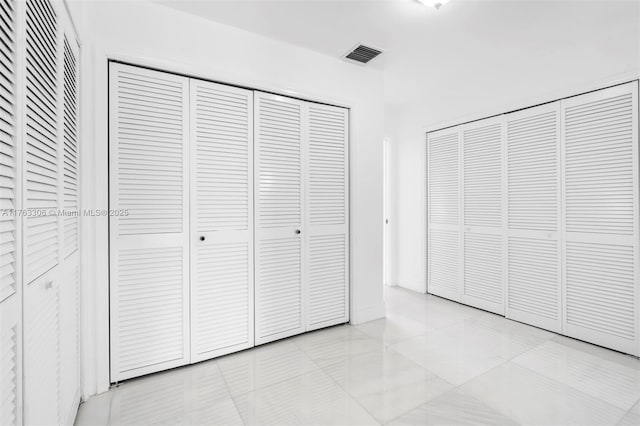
point(464, 44)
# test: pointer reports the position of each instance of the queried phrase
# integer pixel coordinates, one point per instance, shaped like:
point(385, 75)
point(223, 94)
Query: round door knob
point(201, 237)
point(297, 231)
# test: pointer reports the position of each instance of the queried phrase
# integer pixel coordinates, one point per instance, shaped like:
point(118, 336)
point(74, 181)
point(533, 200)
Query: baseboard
point(367, 313)
point(418, 286)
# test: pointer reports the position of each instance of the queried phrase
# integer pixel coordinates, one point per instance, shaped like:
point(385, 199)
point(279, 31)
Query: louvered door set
point(231, 219)
point(39, 247)
point(534, 215)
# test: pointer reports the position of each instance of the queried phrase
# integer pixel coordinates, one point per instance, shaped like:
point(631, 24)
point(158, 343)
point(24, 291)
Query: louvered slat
point(443, 179)
point(600, 288)
point(279, 167)
point(532, 158)
point(41, 352)
point(150, 153)
point(8, 165)
point(327, 279)
point(71, 153)
point(599, 166)
point(41, 139)
point(222, 134)
point(327, 168)
point(444, 263)
point(222, 213)
point(9, 374)
point(601, 218)
point(482, 152)
point(222, 298)
point(150, 307)
point(534, 290)
point(483, 268)
point(279, 294)
point(533, 203)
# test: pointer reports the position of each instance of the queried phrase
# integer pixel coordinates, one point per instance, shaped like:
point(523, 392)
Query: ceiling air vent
point(362, 54)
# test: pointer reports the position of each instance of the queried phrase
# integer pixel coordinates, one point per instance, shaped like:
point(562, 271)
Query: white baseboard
point(368, 313)
point(418, 286)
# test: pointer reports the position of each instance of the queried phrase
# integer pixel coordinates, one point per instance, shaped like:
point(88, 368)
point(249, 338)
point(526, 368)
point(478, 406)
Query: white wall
point(149, 34)
point(573, 47)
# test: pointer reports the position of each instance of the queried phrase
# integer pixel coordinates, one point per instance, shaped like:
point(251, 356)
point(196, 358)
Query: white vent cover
point(362, 54)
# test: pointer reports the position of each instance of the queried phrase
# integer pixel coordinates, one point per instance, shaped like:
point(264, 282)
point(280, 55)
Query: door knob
point(201, 237)
point(297, 231)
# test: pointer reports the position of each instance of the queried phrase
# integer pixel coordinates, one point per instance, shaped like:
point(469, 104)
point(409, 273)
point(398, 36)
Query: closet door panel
point(8, 154)
point(42, 236)
point(42, 321)
point(601, 237)
point(483, 284)
point(70, 280)
point(42, 194)
point(149, 232)
point(222, 219)
point(10, 360)
point(10, 247)
point(70, 133)
point(443, 213)
point(327, 198)
point(278, 217)
point(533, 216)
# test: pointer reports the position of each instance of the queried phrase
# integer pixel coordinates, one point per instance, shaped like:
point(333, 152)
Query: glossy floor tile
point(530, 398)
point(310, 399)
point(386, 383)
point(431, 361)
point(454, 408)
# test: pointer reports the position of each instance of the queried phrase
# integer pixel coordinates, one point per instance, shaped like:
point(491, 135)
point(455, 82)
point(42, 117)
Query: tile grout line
point(628, 412)
point(351, 397)
point(224, 379)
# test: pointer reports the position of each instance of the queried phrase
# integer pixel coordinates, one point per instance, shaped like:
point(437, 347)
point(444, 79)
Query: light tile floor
point(430, 361)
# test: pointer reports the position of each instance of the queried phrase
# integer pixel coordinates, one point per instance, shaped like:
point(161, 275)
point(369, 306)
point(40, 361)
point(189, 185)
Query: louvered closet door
point(278, 217)
point(533, 215)
point(483, 282)
point(149, 248)
point(443, 212)
point(10, 303)
point(221, 219)
point(326, 236)
point(601, 237)
point(42, 193)
point(70, 279)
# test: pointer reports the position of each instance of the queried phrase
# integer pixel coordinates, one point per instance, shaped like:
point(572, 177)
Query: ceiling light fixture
point(434, 3)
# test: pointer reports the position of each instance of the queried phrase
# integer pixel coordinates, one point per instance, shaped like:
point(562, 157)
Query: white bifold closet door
point(70, 280)
point(443, 214)
point(482, 230)
point(301, 216)
point(279, 196)
point(326, 240)
point(600, 217)
point(221, 219)
point(10, 247)
point(42, 192)
point(149, 228)
point(533, 215)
